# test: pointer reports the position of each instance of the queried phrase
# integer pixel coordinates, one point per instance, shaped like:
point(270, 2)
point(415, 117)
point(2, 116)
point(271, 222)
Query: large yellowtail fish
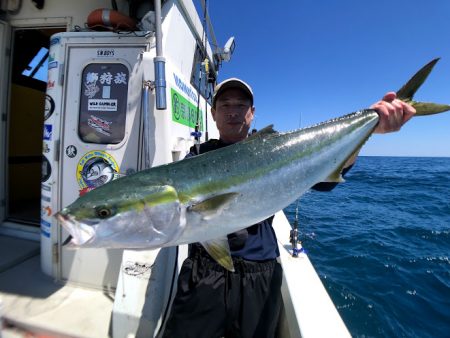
point(206, 197)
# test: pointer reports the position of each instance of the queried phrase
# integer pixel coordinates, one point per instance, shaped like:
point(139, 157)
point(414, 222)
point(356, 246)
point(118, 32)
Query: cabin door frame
point(103, 94)
point(14, 222)
point(5, 48)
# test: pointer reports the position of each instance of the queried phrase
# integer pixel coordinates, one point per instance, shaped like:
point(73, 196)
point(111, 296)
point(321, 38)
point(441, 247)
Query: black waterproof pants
point(212, 302)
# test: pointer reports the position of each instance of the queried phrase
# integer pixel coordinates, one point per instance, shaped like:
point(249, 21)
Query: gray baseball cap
point(231, 83)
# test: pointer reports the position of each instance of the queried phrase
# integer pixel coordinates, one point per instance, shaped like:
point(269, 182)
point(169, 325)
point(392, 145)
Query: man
point(213, 302)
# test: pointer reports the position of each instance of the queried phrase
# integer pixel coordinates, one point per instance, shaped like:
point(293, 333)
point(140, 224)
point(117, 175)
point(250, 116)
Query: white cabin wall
point(172, 140)
point(182, 31)
point(178, 41)
point(194, 21)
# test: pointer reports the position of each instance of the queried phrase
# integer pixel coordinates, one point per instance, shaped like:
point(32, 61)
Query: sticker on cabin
point(100, 125)
point(49, 107)
point(52, 63)
point(186, 89)
point(90, 84)
point(105, 52)
point(71, 151)
point(50, 84)
point(48, 131)
point(46, 198)
point(94, 169)
point(55, 41)
point(45, 147)
point(45, 228)
point(46, 169)
point(102, 105)
point(46, 210)
point(184, 112)
point(105, 78)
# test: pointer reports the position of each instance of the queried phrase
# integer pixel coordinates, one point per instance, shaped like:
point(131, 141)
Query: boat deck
point(34, 302)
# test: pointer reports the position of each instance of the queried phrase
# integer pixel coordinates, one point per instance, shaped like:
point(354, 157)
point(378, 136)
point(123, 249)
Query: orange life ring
point(104, 18)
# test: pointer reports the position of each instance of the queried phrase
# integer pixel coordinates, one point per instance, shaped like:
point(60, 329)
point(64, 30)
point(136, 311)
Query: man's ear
point(213, 113)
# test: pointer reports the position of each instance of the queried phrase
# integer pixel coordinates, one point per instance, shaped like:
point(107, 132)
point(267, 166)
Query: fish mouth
point(80, 233)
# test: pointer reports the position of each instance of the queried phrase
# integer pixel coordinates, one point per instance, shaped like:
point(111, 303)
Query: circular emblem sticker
point(49, 107)
point(46, 169)
point(94, 169)
point(71, 151)
point(176, 107)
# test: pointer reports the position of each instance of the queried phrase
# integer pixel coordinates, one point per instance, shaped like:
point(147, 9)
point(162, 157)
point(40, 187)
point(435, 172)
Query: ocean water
point(380, 243)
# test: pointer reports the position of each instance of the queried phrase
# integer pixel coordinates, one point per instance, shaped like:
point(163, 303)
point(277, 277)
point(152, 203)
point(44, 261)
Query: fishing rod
point(293, 234)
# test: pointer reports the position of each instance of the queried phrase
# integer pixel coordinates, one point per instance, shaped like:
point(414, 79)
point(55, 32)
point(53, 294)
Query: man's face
point(233, 115)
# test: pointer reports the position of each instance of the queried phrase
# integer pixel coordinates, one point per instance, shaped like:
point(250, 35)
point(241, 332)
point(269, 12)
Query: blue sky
point(313, 60)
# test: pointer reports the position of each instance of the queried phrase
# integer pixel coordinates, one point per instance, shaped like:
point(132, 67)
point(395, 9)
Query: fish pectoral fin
point(335, 176)
point(213, 206)
point(220, 251)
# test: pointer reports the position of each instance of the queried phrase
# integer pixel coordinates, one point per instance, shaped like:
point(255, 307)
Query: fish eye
point(103, 212)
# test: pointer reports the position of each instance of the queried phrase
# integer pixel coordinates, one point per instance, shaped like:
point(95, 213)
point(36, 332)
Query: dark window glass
point(38, 66)
point(103, 103)
point(202, 76)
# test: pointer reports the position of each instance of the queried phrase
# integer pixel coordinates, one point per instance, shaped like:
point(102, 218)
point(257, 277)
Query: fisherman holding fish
point(230, 284)
point(214, 302)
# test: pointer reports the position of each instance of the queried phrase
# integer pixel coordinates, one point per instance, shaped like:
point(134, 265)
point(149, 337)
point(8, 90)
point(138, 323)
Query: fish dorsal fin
point(213, 206)
point(219, 249)
point(261, 133)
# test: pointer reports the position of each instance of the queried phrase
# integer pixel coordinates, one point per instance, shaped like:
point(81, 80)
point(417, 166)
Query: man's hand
point(393, 113)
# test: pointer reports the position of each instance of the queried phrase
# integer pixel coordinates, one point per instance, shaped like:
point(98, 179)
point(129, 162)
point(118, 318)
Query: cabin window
point(201, 79)
point(38, 66)
point(103, 103)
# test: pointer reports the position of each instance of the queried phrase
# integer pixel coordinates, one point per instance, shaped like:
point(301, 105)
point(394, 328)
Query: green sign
point(185, 112)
